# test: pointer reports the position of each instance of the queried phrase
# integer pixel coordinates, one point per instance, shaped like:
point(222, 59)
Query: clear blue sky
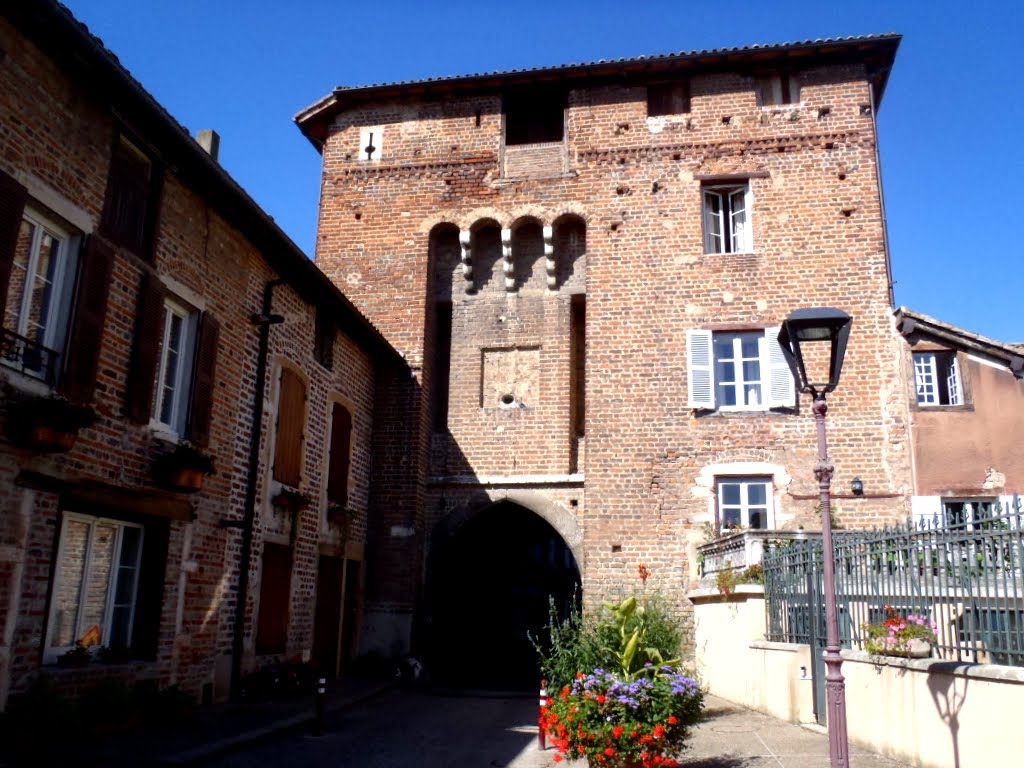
point(951, 123)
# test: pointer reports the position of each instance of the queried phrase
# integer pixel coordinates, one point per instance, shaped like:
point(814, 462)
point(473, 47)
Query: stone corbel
point(466, 257)
point(506, 255)
point(549, 258)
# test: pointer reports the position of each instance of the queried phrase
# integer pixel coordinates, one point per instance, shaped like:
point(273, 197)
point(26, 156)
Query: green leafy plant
point(894, 634)
point(79, 656)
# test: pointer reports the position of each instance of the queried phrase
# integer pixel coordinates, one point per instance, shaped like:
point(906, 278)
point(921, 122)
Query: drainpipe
point(264, 320)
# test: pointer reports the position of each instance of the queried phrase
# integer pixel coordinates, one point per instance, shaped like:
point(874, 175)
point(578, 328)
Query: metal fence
point(965, 571)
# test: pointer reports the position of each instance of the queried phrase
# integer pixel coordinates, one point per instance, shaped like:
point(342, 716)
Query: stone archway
point(491, 575)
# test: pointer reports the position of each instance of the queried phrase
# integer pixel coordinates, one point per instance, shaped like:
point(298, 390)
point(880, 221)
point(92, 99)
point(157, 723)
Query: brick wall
point(55, 139)
point(636, 183)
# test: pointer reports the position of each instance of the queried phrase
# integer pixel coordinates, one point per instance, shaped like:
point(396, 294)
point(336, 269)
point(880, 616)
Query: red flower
point(672, 720)
point(659, 731)
point(580, 675)
point(558, 758)
point(610, 751)
point(617, 731)
point(601, 699)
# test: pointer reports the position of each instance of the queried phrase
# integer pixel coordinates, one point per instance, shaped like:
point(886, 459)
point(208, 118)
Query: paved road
point(410, 730)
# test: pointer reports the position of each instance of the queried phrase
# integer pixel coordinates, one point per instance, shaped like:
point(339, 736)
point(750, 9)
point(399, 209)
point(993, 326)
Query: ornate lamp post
point(813, 327)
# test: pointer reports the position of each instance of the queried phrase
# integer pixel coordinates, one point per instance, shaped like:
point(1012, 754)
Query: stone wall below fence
point(926, 713)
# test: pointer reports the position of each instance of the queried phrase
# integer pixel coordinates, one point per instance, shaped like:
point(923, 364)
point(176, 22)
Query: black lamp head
point(815, 325)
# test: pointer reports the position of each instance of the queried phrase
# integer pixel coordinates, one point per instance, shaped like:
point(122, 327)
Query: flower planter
point(185, 479)
point(49, 439)
point(48, 424)
point(916, 648)
point(183, 470)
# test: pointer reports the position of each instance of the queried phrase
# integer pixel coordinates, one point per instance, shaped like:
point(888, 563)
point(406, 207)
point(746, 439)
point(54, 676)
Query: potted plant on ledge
point(49, 424)
point(911, 637)
point(183, 469)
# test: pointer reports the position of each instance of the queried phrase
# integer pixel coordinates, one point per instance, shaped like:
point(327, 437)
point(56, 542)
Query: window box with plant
point(290, 500)
point(183, 469)
point(911, 636)
point(49, 424)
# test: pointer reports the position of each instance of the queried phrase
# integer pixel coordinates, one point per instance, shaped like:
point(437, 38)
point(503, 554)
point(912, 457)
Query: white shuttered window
point(738, 371)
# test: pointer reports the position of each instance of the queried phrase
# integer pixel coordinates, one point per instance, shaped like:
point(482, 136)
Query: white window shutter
point(781, 388)
point(700, 370)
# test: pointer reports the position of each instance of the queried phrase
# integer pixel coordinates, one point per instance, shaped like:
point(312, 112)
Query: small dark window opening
point(578, 372)
point(668, 99)
point(534, 117)
point(323, 341)
point(442, 363)
point(778, 89)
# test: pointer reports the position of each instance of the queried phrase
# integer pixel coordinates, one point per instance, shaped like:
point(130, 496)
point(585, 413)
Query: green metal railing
point(965, 572)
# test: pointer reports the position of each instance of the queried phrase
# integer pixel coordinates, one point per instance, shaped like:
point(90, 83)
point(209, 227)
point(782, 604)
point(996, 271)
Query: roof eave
point(877, 51)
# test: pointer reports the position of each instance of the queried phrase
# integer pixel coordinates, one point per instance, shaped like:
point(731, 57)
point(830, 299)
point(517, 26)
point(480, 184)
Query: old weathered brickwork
point(213, 252)
point(443, 205)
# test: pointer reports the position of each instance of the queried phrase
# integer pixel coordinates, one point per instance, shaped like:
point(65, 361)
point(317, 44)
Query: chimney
point(209, 140)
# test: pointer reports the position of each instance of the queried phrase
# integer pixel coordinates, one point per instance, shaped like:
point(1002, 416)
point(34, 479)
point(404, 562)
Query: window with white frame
point(174, 373)
point(39, 297)
point(727, 218)
point(738, 371)
point(937, 378)
point(96, 584)
point(744, 502)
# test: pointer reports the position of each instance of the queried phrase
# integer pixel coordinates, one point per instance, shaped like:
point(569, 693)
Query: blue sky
point(950, 123)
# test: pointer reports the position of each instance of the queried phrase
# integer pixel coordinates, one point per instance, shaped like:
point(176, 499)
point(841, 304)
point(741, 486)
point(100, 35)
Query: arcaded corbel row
point(465, 243)
point(508, 266)
point(549, 257)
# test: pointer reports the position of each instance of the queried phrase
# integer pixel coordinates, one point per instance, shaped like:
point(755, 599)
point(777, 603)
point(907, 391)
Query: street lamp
point(813, 327)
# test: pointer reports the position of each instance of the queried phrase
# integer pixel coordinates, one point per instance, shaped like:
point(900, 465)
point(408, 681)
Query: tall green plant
point(643, 635)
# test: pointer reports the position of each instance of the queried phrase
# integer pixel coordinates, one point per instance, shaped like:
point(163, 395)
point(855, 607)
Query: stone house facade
point(585, 267)
point(149, 302)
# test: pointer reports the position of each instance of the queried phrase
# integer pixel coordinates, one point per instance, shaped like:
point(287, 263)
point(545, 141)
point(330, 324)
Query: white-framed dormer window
point(738, 371)
point(744, 502)
point(96, 584)
point(937, 378)
point(726, 210)
point(174, 373)
point(39, 298)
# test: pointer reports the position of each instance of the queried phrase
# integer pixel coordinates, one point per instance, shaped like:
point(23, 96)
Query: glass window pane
point(725, 372)
point(749, 344)
point(726, 394)
point(101, 561)
point(758, 518)
point(757, 494)
point(730, 493)
point(730, 518)
point(752, 371)
point(74, 543)
point(752, 395)
point(723, 346)
point(119, 634)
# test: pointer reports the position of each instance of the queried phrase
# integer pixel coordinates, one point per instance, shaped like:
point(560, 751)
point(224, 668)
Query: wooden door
point(327, 620)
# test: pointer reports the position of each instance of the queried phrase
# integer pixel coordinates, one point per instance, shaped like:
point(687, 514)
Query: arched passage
point(490, 580)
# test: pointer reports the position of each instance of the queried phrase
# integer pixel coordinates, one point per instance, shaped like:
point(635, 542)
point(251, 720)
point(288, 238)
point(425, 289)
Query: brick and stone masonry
point(212, 249)
point(468, 252)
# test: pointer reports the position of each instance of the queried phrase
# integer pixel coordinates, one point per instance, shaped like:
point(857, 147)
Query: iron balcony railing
point(967, 576)
point(29, 357)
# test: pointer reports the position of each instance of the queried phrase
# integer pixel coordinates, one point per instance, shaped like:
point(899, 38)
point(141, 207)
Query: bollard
point(321, 706)
point(542, 736)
